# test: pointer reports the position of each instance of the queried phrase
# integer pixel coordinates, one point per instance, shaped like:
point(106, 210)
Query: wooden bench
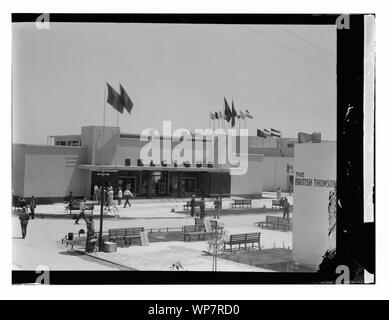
point(243, 238)
point(196, 230)
point(276, 204)
point(241, 203)
point(76, 207)
point(125, 236)
point(275, 222)
point(187, 205)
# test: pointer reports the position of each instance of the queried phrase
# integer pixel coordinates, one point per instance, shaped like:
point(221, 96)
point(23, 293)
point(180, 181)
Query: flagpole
point(103, 175)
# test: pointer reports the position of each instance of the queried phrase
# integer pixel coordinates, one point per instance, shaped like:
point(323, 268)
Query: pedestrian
point(286, 206)
point(32, 207)
point(82, 211)
point(279, 194)
point(192, 205)
point(120, 196)
point(202, 208)
point(110, 196)
point(216, 203)
point(99, 192)
point(24, 217)
point(89, 247)
point(127, 195)
point(95, 192)
point(70, 201)
point(22, 204)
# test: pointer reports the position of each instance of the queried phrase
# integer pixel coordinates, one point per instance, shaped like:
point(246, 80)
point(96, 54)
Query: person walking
point(216, 203)
point(82, 211)
point(70, 201)
point(202, 208)
point(127, 195)
point(24, 217)
point(192, 205)
point(286, 207)
point(120, 196)
point(32, 207)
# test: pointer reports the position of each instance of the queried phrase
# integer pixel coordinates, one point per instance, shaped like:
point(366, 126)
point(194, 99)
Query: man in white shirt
point(127, 195)
point(120, 196)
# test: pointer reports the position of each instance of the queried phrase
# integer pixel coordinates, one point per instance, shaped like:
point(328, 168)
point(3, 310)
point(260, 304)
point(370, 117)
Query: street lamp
point(102, 197)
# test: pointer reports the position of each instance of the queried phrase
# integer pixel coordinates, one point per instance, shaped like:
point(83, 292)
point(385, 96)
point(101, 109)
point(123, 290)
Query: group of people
point(217, 205)
point(109, 195)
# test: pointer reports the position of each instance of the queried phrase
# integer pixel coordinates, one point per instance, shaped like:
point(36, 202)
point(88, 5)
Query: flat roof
point(107, 167)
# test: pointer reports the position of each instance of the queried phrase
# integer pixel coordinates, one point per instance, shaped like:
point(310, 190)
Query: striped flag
point(267, 132)
point(275, 133)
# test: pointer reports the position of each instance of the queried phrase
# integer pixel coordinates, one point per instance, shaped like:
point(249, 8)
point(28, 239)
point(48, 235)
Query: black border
point(355, 240)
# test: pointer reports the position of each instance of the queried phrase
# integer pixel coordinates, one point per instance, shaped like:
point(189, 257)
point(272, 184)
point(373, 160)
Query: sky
point(284, 75)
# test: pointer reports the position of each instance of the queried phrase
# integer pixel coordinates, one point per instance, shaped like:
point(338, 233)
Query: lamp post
point(102, 198)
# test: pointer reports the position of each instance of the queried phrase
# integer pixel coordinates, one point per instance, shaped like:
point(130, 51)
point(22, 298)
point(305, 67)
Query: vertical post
point(102, 188)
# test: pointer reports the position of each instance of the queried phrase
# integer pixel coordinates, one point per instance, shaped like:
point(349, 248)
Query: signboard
point(314, 202)
point(207, 224)
point(144, 238)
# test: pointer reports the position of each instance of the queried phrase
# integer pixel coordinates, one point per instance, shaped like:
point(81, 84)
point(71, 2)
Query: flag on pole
point(242, 115)
point(212, 115)
point(261, 134)
point(114, 99)
point(227, 111)
point(216, 115)
point(267, 132)
point(248, 115)
point(233, 115)
point(276, 133)
point(125, 100)
point(221, 115)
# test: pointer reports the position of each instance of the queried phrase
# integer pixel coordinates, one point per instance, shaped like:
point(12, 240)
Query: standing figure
point(202, 208)
point(286, 206)
point(70, 201)
point(120, 196)
point(82, 211)
point(99, 192)
point(24, 217)
point(90, 235)
point(192, 205)
point(127, 195)
point(110, 196)
point(95, 192)
point(216, 203)
point(32, 207)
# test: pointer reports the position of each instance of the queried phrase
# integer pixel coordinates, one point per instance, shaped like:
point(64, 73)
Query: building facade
point(104, 155)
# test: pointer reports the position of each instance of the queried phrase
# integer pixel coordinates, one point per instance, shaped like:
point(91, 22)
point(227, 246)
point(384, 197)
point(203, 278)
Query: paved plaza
point(42, 245)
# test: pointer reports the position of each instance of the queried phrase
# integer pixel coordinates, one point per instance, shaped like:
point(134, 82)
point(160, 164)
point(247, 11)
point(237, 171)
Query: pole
point(102, 197)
